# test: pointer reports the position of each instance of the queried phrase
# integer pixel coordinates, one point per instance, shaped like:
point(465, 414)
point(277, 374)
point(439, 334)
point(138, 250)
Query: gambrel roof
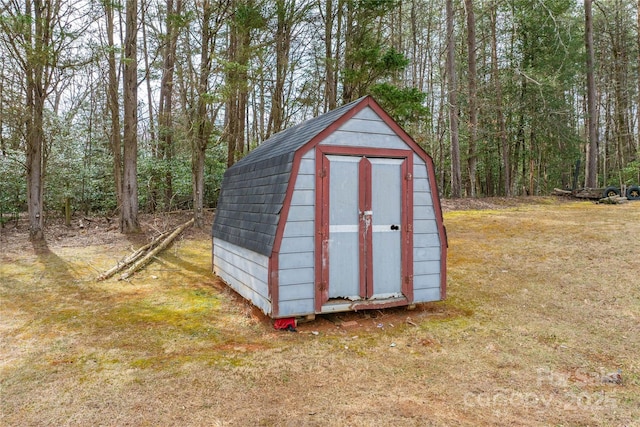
point(254, 189)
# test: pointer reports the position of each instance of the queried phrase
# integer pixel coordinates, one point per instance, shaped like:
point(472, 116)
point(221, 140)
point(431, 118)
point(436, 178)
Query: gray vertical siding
point(245, 271)
point(296, 261)
point(426, 240)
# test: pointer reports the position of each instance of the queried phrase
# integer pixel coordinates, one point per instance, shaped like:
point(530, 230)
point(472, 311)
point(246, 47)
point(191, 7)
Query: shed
point(338, 213)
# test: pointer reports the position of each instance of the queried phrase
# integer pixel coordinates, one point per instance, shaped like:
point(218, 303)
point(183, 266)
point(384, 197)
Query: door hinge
point(408, 176)
point(322, 286)
point(409, 228)
point(322, 173)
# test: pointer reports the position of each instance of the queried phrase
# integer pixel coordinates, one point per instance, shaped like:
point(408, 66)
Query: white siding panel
point(254, 257)
point(299, 307)
point(421, 184)
point(249, 267)
point(298, 228)
point(422, 199)
point(295, 244)
point(424, 212)
point(425, 226)
point(367, 114)
point(367, 126)
point(426, 281)
point(364, 139)
point(302, 213)
point(426, 254)
point(426, 267)
point(426, 240)
point(241, 276)
point(419, 168)
point(303, 198)
point(298, 276)
point(293, 292)
point(244, 271)
point(305, 182)
point(246, 291)
point(426, 295)
point(295, 260)
point(307, 165)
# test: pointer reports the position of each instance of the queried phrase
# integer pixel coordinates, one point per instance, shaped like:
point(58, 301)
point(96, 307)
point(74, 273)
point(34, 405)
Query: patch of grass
point(542, 302)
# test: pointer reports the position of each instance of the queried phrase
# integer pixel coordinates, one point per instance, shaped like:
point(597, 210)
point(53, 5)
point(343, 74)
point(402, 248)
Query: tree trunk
point(348, 89)
point(456, 176)
point(238, 82)
point(329, 84)
point(285, 13)
point(152, 131)
point(36, 93)
point(35, 166)
point(638, 72)
point(201, 139)
point(165, 110)
point(198, 182)
point(502, 129)
point(592, 149)
point(113, 105)
point(231, 115)
point(129, 212)
point(472, 159)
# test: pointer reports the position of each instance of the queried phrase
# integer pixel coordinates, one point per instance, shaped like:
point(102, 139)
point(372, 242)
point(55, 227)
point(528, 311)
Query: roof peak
point(294, 137)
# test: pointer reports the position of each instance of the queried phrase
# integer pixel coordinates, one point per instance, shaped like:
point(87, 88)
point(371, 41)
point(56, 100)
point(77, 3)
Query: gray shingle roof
point(254, 189)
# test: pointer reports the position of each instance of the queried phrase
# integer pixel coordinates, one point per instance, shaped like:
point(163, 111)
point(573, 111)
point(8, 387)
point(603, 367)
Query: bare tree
point(246, 17)
point(285, 15)
point(456, 176)
point(638, 99)
point(472, 158)
point(592, 149)
point(331, 60)
point(38, 35)
point(165, 110)
point(212, 19)
point(129, 211)
point(502, 129)
point(113, 102)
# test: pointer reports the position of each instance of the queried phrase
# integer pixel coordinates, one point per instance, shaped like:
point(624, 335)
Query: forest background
point(113, 107)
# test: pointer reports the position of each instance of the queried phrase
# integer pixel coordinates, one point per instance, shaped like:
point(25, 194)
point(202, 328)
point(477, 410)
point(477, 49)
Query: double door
point(365, 226)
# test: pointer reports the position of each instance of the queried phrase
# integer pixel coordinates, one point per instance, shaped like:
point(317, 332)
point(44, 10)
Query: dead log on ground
point(130, 259)
point(559, 192)
point(152, 253)
point(613, 200)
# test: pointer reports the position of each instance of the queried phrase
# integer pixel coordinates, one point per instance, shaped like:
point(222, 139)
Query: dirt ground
point(543, 305)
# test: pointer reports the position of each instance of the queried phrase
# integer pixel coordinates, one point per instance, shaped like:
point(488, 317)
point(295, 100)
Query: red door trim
point(322, 231)
point(365, 235)
point(365, 239)
point(407, 230)
point(364, 151)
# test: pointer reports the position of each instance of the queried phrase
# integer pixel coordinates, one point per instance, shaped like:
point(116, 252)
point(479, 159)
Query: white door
point(365, 227)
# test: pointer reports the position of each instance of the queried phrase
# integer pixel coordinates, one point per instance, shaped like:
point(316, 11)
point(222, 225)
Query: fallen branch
point(613, 200)
point(130, 259)
point(559, 192)
point(152, 253)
